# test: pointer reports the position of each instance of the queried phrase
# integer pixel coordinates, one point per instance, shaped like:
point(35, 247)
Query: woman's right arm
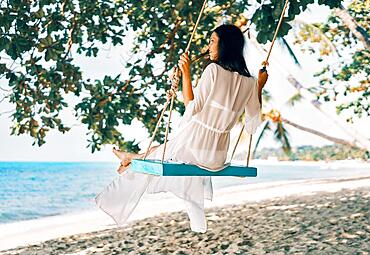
point(202, 91)
point(187, 89)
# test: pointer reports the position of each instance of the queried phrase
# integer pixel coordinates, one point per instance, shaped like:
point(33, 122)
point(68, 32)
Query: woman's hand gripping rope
point(184, 65)
point(263, 75)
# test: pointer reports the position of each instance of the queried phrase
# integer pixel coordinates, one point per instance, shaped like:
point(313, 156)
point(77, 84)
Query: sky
point(72, 146)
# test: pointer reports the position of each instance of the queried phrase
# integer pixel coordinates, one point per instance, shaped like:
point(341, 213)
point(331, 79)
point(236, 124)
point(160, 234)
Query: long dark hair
point(230, 49)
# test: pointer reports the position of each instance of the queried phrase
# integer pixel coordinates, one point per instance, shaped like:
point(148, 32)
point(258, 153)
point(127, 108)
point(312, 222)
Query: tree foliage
point(348, 79)
point(41, 39)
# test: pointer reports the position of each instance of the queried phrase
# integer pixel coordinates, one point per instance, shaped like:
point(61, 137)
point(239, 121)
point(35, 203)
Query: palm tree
point(274, 118)
point(281, 134)
point(318, 133)
point(304, 93)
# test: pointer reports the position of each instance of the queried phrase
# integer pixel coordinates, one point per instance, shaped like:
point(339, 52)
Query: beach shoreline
point(357, 162)
point(34, 232)
point(334, 163)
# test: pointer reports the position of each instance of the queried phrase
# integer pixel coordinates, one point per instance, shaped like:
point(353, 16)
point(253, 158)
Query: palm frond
point(266, 96)
point(262, 135)
point(294, 99)
point(287, 47)
point(281, 135)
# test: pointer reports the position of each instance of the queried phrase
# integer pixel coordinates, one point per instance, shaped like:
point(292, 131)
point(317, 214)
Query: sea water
point(31, 190)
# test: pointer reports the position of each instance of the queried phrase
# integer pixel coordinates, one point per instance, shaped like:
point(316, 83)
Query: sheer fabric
point(202, 138)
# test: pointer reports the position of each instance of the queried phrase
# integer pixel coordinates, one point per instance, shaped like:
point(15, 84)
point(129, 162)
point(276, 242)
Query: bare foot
point(124, 156)
point(123, 166)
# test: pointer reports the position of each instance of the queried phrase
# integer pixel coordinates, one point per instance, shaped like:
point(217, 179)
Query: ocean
point(31, 190)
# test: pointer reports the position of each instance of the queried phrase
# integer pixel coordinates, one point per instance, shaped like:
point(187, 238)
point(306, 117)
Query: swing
point(171, 168)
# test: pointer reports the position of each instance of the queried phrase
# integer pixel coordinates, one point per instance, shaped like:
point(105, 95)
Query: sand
point(297, 217)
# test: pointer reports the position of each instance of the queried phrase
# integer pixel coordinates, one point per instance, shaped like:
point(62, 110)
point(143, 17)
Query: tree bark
point(318, 133)
point(358, 31)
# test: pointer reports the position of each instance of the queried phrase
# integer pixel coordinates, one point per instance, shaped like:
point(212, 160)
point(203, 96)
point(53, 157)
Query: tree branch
point(358, 31)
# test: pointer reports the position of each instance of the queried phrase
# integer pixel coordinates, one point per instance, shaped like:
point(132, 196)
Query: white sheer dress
point(202, 138)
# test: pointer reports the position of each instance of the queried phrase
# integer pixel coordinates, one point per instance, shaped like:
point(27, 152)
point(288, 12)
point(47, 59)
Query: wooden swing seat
point(171, 168)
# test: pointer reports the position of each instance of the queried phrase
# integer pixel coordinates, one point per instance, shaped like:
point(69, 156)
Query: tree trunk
point(358, 139)
point(358, 31)
point(318, 133)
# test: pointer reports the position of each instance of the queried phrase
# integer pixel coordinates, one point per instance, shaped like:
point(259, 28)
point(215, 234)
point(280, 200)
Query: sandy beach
point(296, 217)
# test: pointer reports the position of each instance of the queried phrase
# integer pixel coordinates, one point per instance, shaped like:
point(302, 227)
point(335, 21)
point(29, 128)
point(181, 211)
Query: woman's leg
point(126, 157)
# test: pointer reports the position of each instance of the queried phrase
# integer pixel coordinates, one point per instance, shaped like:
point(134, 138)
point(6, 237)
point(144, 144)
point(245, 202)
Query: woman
point(225, 90)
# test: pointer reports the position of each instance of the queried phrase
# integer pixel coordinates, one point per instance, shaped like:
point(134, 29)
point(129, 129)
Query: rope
point(249, 149)
point(277, 29)
point(167, 128)
point(175, 81)
point(240, 135)
point(156, 128)
point(263, 70)
point(195, 26)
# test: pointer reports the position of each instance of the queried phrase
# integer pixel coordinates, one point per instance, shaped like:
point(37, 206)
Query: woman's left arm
point(262, 78)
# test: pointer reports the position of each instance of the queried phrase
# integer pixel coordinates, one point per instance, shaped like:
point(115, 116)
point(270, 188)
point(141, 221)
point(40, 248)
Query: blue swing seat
point(156, 167)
